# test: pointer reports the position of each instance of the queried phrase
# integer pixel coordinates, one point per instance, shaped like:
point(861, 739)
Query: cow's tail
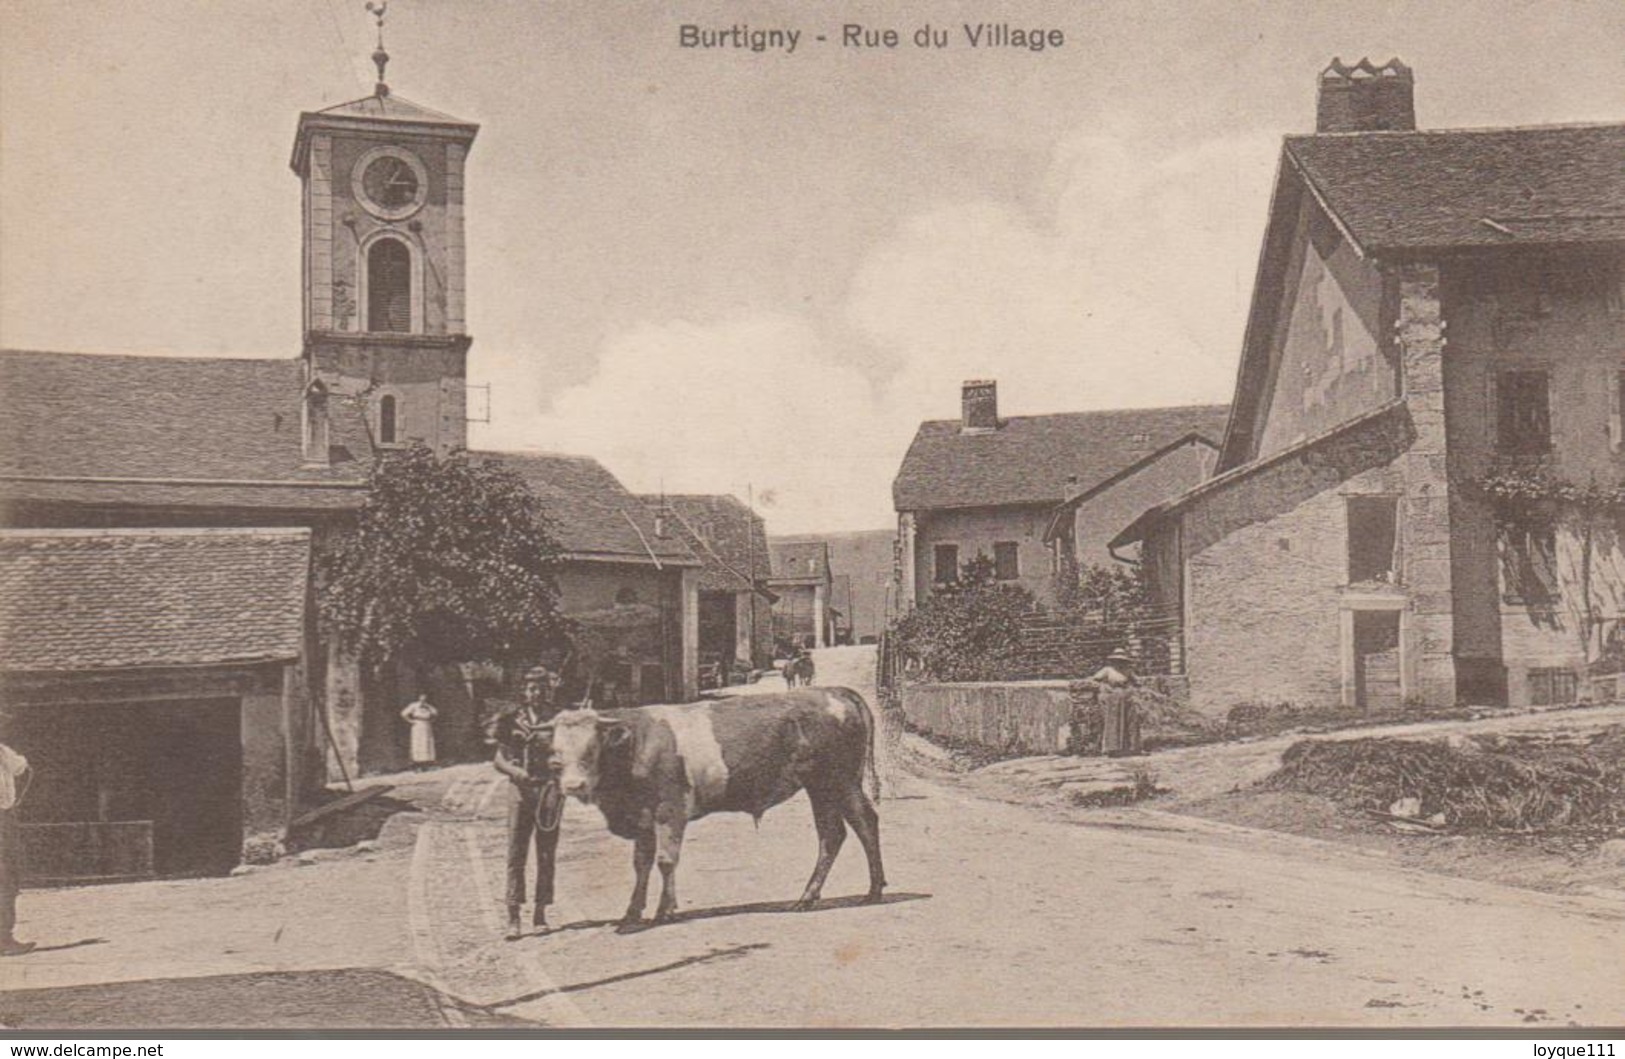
point(869, 765)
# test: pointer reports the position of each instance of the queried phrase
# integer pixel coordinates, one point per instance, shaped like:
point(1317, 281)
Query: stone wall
point(1266, 571)
point(1032, 717)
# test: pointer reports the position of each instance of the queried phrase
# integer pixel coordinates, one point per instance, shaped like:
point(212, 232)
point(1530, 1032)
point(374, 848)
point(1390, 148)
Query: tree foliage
point(1114, 596)
point(450, 560)
point(967, 630)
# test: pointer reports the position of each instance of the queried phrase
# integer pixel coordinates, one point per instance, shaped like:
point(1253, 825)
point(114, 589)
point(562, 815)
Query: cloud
point(1127, 287)
point(1129, 292)
point(752, 401)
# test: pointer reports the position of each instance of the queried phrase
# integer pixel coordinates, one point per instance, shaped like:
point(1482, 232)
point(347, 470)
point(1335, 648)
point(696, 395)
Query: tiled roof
point(113, 429)
point(728, 537)
point(799, 561)
point(1028, 459)
point(1470, 187)
point(114, 599)
point(593, 513)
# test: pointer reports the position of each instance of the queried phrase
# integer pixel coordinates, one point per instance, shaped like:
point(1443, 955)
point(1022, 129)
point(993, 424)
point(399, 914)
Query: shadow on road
point(347, 998)
point(81, 943)
point(575, 987)
point(828, 904)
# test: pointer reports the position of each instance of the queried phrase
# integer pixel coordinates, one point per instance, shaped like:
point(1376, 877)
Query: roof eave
point(627, 559)
point(311, 122)
point(1247, 470)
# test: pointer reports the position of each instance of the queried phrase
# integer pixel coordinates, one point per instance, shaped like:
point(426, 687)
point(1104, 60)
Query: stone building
point(1416, 497)
point(988, 485)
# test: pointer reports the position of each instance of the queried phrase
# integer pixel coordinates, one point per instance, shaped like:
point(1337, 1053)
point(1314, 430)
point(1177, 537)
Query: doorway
point(132, 789)
point(1377, 682)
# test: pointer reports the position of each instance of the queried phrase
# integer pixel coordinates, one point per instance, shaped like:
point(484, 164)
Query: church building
point(159, 517)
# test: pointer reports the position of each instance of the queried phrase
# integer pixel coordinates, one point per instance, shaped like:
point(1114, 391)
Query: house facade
point(1416, 494)
point(988, 485)
point(803, 613)
point(734, 603)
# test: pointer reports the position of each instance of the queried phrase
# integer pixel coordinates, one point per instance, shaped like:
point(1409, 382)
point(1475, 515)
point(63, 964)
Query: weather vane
point(380, 57)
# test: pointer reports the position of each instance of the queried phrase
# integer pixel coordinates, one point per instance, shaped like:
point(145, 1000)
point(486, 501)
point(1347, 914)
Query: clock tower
point(383, 263)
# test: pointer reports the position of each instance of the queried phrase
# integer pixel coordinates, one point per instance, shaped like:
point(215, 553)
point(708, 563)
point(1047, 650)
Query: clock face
point(390, 182)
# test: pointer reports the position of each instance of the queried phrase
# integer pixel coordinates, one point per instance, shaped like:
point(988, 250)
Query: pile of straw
point(1477, 786)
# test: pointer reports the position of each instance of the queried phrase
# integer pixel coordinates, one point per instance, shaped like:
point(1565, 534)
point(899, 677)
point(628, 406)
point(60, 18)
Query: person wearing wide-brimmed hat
point(15, 776)
point(1118, 670)
point(535, 804)
point(1119, 704)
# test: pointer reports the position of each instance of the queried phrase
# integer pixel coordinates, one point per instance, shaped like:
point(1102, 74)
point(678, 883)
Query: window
point(389, 286)
point(1528, 562)
point(1523, 414)
point(1552, 687)
point(387, 425)
point(1372, 536)
point(1616, 413)
point(1005, 564)
point(945, 563)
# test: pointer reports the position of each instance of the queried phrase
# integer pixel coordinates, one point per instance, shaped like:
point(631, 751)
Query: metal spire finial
point(380, 57)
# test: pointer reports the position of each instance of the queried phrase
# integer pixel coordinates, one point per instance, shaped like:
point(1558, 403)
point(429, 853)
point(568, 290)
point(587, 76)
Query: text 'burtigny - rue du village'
point(860, 36)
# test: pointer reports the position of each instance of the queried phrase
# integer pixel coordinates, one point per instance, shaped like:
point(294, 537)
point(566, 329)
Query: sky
point(721, 270)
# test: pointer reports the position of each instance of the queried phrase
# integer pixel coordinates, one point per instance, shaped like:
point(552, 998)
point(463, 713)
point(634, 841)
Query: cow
point(799, 671)
point(652, 769)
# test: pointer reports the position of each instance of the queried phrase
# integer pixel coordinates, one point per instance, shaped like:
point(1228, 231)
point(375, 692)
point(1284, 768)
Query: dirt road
point(998, 915)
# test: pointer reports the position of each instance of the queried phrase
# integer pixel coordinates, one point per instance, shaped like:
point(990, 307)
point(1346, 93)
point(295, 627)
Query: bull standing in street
point(654, 769)
point(535, 804)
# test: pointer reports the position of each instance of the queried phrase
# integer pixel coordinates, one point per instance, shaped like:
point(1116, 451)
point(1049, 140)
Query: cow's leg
point(643, 858)
point(668, 848)
point(831, 833)
point(860, 812)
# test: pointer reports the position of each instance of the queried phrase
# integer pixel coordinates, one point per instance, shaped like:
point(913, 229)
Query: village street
point(997, 915)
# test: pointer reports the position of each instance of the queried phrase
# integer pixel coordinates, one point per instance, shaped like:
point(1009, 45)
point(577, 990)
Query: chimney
point(1366, 98)
point(315, 438)
point(979, 401)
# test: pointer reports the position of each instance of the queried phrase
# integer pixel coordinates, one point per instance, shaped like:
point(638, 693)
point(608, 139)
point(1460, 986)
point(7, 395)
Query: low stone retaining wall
point(1027, 716)
point(1032, 717)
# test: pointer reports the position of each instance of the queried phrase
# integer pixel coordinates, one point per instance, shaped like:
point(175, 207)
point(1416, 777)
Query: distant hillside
point(865, 560)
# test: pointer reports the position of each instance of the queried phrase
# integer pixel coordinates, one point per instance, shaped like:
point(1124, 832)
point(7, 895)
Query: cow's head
point(580, 738)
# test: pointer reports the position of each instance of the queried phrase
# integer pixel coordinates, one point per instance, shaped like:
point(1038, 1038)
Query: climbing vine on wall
point(1525, 493)
point(1518, 485)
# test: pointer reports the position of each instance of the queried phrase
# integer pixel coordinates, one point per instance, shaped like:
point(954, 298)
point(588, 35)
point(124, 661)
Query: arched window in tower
point(389, 286)
point(388, 427)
